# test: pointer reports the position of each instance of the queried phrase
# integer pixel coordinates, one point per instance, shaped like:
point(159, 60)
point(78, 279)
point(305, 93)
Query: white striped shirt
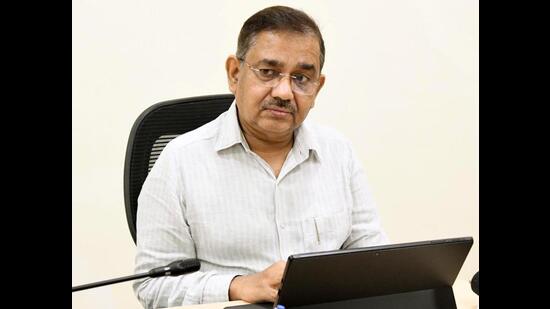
point(210, 197)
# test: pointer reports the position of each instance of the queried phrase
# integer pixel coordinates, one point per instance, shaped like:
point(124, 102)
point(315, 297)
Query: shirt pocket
point(326, 232)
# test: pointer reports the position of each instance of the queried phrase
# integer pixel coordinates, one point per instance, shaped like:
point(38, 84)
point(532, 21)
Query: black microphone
point(175, 268)
point(474, 283)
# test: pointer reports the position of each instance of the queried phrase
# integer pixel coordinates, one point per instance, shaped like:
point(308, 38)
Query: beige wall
point(402, 84)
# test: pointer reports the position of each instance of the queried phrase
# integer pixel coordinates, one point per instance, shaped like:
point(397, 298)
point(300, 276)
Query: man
point(255, 185)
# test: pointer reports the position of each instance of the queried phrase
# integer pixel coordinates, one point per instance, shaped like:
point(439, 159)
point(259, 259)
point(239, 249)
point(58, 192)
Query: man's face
point(274, 112)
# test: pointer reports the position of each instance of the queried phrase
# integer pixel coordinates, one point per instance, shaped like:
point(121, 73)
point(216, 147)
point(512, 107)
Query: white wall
point(402, 84)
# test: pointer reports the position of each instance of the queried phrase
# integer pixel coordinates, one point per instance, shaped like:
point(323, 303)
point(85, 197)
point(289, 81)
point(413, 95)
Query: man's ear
point(321, 83)
point(232, 67)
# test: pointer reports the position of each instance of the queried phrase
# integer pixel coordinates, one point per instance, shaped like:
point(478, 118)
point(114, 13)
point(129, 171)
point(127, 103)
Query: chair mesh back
point(157, 148)
point(153, 129)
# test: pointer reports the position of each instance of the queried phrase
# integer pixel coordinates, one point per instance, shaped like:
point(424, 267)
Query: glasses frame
point(279, 78)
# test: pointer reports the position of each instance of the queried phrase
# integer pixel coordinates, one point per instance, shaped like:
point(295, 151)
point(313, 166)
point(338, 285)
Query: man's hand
point(258, 287)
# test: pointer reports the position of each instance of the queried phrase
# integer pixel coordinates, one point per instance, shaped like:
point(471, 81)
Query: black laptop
point(407, 275)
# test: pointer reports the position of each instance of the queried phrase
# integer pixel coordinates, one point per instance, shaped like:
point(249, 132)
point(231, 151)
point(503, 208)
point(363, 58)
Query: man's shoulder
point(195, 139)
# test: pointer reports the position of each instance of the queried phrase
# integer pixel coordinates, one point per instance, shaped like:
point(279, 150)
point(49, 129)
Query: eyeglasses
point(299, 83)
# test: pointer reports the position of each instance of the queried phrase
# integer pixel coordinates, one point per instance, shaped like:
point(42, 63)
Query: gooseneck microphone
point(175, 268)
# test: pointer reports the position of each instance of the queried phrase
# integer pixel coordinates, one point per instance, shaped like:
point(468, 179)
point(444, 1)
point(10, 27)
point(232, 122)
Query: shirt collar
point(230, 134)
point(305, 140)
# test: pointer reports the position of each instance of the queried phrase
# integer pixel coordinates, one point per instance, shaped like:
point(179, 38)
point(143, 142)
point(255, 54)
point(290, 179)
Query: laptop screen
point(337, 275)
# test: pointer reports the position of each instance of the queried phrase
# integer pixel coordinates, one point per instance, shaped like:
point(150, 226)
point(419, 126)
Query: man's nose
point(283, 89)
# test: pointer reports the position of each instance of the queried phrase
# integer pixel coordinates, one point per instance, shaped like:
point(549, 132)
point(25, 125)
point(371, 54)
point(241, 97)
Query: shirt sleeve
point(163, 236)
point(366, 227)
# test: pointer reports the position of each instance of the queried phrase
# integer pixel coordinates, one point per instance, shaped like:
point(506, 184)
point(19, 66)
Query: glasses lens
point(306, 88)
point(271, 80)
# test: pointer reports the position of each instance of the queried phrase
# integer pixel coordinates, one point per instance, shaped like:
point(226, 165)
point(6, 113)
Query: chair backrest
point(153, 129)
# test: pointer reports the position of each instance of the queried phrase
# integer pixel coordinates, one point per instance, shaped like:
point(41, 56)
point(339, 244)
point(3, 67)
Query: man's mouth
point(279, 112)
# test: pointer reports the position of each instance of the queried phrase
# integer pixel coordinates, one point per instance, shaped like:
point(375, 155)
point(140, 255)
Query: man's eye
point(300, 78)
point(268, 73)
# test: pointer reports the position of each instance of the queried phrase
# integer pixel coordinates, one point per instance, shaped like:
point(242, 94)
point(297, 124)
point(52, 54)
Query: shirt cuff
point(217, 288)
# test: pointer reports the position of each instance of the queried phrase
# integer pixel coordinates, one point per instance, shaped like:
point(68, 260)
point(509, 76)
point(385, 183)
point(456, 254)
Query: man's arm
point(366, 226)
point(163, 236)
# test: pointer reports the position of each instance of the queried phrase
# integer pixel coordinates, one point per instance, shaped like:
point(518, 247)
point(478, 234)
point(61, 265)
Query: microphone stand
point(173, 269)
point(110, 281)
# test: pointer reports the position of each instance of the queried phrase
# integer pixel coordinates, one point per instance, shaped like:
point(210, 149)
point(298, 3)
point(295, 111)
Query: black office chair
point(153, 129)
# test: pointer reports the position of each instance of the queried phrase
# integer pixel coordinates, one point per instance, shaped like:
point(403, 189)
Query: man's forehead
point(277, 48)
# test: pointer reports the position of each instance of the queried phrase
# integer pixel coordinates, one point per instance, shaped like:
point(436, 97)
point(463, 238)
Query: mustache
point(277, 102)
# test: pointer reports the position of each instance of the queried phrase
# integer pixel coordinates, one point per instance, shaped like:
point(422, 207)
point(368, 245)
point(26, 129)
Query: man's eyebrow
point(271, 62)
point(307, 66)
point(278, 64)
